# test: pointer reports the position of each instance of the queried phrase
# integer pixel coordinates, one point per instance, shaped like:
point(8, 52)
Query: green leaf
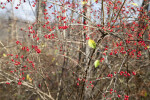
point(145, 94)
point(92, 43)
point(96, 63)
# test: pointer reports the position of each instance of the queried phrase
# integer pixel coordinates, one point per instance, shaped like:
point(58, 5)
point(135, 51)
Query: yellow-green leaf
point(92, 43)
point(95, 0)
point(135, 4)
point(27, 77)
point(38, 98)
point(84, 2)
point(96, 63)
point(53, 59)
point(30, 80)
point(4, 55)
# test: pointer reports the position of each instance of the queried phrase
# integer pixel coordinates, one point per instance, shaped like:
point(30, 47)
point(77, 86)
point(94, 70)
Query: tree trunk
point(88, 68)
